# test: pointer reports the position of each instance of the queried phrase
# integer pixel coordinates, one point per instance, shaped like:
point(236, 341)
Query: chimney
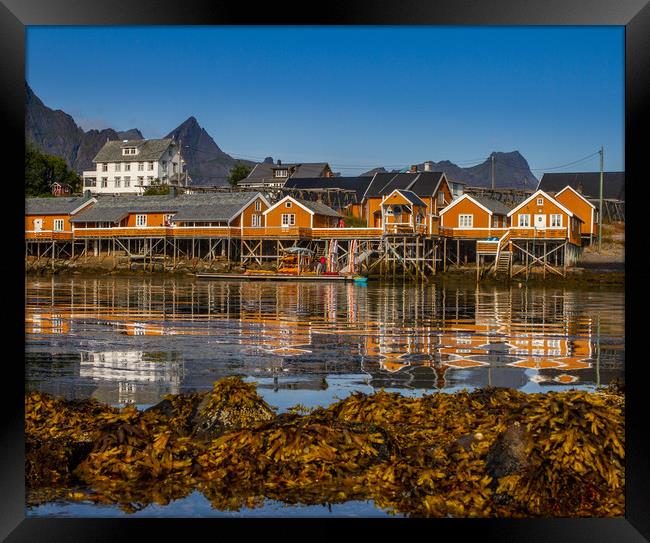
point(414, 168)
point(87, 194)
point(279, 162)
point(428, 166)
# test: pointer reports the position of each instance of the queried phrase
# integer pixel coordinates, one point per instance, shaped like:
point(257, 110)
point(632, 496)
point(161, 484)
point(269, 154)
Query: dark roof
point(422, 183)
point(264, 172)
point(318, 208)
point(357, 184)
point(199, 207)
point(586, 183)
point(412, 197)
point(496, 206)
point(148, 150)
point(53, 206)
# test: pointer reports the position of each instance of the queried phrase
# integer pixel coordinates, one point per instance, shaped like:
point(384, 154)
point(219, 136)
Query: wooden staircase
point(503, 259)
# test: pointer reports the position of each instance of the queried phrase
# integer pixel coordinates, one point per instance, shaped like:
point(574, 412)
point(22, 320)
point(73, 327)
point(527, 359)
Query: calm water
point(124, 340)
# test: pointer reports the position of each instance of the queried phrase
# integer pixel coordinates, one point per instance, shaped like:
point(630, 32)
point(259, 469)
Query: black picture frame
point(15, 15)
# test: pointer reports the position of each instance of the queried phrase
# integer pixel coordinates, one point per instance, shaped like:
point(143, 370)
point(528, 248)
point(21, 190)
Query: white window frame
point(540, 201)
point(127, 167)
point(104, 182)
point(58, 225)
point(520, 222)
point(127, 181)
point(287, 204)
point(288, 219)
point(150, 166)
point(168, 218)
point(140, 166)
point(558, 216)
point(118, 182)
point(258, 206)
point(463, 218)
point(256, 220)
point(118, 167)
point(105, 166)
point(141, 221)
point(441, 197)
point(495, 221)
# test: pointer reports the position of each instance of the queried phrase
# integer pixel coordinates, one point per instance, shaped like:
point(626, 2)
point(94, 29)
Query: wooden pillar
point(444, 255)
point(458, 252)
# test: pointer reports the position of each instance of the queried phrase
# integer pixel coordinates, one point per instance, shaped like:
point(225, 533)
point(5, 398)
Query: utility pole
point(493, 182)
point(600, 205)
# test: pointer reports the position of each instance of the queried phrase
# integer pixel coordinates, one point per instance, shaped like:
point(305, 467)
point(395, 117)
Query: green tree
point(238, 172)
point(42, 170)
point(156, 189)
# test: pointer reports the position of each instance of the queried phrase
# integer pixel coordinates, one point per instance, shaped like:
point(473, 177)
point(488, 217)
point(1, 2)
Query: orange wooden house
point(49, 218)
point(292, 212)
point(474, 217)
point(581, 208)
point(430, 187)
point(541, 216)
point(402, 211)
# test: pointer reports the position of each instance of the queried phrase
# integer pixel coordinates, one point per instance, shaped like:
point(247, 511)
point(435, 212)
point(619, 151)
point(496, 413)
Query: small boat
point(360, 279)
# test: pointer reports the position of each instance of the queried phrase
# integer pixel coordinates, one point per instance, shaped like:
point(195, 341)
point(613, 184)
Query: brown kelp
point(489, 453)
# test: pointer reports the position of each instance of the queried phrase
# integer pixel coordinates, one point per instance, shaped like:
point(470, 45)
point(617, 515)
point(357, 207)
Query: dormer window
point(280, 173)
point(129, 150)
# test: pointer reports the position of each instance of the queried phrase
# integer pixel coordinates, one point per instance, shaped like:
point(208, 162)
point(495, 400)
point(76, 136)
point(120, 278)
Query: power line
point(567, 164)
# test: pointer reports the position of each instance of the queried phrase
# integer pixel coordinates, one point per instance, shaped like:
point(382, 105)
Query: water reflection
point(125, 339)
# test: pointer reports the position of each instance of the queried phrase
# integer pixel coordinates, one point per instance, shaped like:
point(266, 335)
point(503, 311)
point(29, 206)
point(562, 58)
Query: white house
point(129, 166)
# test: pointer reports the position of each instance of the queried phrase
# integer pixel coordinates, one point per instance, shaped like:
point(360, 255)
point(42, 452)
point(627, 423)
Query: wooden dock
point(272, 277)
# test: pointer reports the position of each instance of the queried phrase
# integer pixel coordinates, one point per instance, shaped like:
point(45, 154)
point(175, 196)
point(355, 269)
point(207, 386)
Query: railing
point(404, 228)
point(343, 233)
point(471, 233)
point(203, 231)
point(122, 231)
point(527, 232)
point(278, 232)
point(47, 234)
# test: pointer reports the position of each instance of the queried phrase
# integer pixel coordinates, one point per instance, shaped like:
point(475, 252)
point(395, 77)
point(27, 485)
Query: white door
point(38, 224)
point(540, 221)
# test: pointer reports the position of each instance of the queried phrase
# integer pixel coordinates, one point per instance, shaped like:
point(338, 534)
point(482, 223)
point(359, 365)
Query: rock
point(508, 454)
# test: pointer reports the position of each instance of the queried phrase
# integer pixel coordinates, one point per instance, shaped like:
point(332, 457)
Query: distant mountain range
point(511, 171)
point(56, 133)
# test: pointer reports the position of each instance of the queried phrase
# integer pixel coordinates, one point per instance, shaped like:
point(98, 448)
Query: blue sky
point(356, 97)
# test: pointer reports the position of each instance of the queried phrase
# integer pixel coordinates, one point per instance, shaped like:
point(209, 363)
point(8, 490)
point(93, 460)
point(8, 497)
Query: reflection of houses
point(131, 376)
point(37, 322)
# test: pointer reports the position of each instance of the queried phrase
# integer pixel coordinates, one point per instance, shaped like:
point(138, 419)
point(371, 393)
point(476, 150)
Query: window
point(140, 166)
point(540, 201)
point(258, 206)
point(118, 167)
point(256, 220)
point(280, 173)
point(150, 165)
point(141, 220)
point(104, 182)
point(104, 167)
point(90, 183)
point(465, 221)
point(168, 218)
point(150, 178)
point(556, 221)
point(287, 204)
point(141, 179)
point(441, 198)
point(524, 220)
point(127, 167)
point(495, 221)
point(118, 182)
point(58, 225)
point(127, 181)
point(288, 219)
point(129, 151)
